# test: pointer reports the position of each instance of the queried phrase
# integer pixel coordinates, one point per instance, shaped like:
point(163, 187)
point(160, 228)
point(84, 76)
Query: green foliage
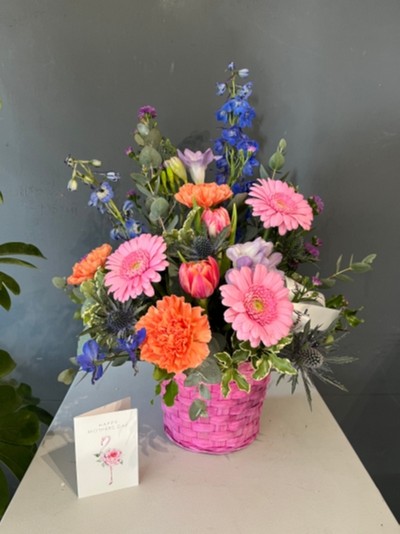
point(20, 415)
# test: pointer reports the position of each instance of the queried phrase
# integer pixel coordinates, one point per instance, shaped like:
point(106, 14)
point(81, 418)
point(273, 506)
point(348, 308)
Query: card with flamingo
point(106, 448)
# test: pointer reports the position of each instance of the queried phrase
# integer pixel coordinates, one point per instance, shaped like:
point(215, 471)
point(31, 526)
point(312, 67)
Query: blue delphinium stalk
point(235, 149)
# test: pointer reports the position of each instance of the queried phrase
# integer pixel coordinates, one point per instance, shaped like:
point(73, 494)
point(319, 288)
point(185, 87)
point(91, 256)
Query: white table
point(300, 476)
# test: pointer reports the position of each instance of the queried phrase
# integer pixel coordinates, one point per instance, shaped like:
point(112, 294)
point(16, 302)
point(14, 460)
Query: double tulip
point(199, 278)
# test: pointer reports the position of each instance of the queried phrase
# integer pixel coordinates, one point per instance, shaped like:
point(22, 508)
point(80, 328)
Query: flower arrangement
point(205, 272)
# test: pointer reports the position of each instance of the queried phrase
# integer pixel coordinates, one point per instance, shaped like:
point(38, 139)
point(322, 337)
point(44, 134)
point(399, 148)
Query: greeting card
point(106, 448)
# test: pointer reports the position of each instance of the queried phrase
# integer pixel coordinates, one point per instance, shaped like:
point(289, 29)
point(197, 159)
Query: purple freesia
point(196, 163)
point(253, 252)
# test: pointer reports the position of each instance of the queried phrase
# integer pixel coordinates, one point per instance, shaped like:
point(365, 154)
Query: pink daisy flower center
point(135, 264)
point(260, 305)
point(282, 203)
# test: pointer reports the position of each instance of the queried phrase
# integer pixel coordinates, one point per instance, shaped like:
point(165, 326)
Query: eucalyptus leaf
point(159, 208)
point(359, 267)
point(149, 157)
point(204, 392)
point(262, 172)
point(67, 376)
point(59, 282)
point(197, 409)
point(276, 161)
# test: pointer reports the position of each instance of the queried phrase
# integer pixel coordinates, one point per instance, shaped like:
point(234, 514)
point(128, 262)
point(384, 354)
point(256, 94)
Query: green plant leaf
point(241, 381)
point(171, 391)
point(263, 368)
point(43, 415)
point(7, 364)
point(10, 401)
point(360, 267)
point(224, 358)
point(282, 365)
point(67, 376)
point(17, 247)
point(159, 208)
point(10, 282)
point(204, 392)
point(16, 261)
point(21, 427)
point(16, 457)
point(5, 300)
point(227, 377)
point(197, 409)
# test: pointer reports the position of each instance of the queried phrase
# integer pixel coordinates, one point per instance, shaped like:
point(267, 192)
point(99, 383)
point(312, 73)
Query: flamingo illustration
point(109, 457)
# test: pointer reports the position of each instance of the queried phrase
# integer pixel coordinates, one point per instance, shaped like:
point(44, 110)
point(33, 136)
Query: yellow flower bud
point(178, 168)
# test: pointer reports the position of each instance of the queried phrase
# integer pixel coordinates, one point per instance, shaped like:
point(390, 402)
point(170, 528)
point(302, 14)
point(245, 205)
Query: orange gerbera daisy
point(86, 268)
point(176, 335)
point(205, 195)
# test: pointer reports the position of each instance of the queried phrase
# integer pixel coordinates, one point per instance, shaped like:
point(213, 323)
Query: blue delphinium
point(87, 360)
point(101, 196)
point(235, 149)
point(131, 343)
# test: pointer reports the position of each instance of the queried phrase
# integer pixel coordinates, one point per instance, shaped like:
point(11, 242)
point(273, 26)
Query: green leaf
point(197, 409)
point(369, 259)
point(159, 208)
point(17, 247)
point(16, 261)
point(21, 428)
point(241, 381)
point(360, 267)
point(171, 391)
point(224, 358)
point(10, 282)
point(149, 157)
point(10, 401)
point(240, 355)
point(262, 172)
point(282, 365)
point(60, 282)
point(7, 364)
point(4, 493)
point(67, 376)
point(204, 392)
point(276, 161)
point(227, 377)
point(343, 278)
point(5, 300)
point(339, 263)
point(263, 368)
point(139, 178)
point(160, 374)
point(16, 457)
point(43, 415)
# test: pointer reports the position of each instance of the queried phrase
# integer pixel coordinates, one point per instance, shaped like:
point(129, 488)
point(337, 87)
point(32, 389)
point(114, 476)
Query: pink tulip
point(215, 220)
point(199, 278)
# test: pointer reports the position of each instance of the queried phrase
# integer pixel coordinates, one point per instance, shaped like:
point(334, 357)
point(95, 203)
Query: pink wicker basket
point(232, 423)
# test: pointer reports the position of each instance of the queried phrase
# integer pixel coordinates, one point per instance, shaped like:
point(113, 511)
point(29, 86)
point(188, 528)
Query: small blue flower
point(113, 176)
point(100, 196)
point(243, 73)
point(133, 228)
point(231, 66)
point(132, 343)
point(221, 88)
point(91, 354)
point(246, 90)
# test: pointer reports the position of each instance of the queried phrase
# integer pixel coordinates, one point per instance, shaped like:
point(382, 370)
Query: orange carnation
point(205, 195)
point(86, 268)
point(176, 335)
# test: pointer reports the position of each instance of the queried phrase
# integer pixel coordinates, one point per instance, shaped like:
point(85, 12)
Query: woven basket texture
point(232, 423)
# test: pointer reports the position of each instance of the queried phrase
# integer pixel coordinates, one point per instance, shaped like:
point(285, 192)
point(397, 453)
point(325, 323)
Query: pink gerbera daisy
point(278, 205)
point(134, 266)
point(258, 304)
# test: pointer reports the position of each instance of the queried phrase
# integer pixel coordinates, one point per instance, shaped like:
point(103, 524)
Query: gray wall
point(326, 74)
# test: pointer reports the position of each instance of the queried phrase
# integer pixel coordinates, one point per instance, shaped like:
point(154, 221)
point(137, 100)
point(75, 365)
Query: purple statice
point(235, 148)
point(147, 112)
point(91, 354)
point(317, 204)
